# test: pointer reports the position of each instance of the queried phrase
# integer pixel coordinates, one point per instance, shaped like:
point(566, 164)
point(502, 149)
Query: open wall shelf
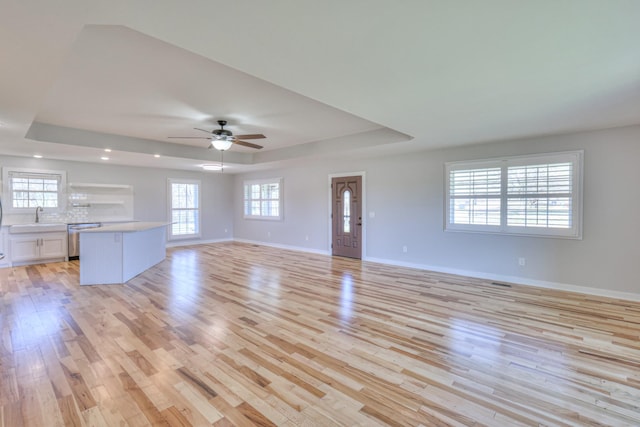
point(100, 201)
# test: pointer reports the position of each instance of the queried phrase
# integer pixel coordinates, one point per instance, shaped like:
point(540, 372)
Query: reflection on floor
point(236, 334)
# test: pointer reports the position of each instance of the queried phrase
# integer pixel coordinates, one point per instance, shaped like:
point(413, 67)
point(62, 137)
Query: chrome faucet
point(38, 211)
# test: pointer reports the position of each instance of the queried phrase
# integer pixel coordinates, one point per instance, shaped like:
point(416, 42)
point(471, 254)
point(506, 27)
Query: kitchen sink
point(37, 227)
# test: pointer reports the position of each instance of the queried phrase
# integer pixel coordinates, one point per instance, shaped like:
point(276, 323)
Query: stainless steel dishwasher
point(74, 237)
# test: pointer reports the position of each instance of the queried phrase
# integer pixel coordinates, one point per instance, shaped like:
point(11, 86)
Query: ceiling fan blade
point(189, 137)
point(251, 136)
point(202, 130)
point(247, 144)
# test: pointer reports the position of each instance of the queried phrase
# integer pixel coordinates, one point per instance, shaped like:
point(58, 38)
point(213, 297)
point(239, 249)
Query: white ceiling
point(317, 78)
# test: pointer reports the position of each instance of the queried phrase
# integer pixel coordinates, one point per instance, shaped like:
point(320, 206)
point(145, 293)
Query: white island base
point(117, 253)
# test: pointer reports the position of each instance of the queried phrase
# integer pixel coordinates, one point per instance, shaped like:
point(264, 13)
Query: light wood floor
point(236, 334)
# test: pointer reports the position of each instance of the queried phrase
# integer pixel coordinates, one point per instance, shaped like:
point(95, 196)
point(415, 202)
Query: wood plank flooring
point(236, 334)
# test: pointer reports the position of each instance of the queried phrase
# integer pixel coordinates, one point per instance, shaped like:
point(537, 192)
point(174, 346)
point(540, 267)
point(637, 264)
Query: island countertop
point(126, 227)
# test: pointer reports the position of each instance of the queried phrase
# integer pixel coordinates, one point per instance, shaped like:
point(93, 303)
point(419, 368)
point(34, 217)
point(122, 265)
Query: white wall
point(150, 190)
point(406, 194)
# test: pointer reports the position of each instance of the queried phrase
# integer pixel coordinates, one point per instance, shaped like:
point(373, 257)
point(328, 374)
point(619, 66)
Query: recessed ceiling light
point(104, 158)
point(37, 156)
point(107, 150)
point(156, 155)
point(211, 167)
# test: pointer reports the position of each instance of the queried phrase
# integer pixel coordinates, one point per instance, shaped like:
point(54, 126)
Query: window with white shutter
point(537, 195)
point(474, 196)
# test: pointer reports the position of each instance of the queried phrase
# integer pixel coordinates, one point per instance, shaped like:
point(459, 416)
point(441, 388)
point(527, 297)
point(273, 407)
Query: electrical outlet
point(306, 238)
point(404, 249)
point(268, 234)
point(522, 261)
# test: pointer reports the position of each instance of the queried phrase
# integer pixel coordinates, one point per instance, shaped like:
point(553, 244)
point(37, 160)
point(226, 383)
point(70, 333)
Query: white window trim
point(575, 232)
point(280, 182)
point(170, 235)
point(8, 193)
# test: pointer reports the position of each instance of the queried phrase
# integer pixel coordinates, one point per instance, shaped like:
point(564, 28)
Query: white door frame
point(364, 216)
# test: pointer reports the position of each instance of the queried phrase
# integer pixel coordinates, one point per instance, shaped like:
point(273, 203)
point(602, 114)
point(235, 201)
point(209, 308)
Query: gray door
point(346, 214)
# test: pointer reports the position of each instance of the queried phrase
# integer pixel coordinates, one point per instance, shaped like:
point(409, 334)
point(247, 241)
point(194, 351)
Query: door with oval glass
point(346, 214)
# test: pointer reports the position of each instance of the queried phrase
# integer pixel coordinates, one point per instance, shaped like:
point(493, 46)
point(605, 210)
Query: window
point(184, 205)
point(27, 189)
point(263, 199)
point(475, 196)
point(346, 212)
point(537, 195)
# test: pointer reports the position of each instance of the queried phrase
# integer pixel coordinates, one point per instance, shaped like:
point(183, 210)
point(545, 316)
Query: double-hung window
point(184, 207)
point(263, 199)
point(538, 195)
point(27, 189)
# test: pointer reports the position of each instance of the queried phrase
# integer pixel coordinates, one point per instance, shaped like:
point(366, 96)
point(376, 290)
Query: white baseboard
point(288, 247)
point(513, 279)
point(178, 243)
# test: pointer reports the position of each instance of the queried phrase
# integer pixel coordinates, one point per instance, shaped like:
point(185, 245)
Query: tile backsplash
point(85, 203)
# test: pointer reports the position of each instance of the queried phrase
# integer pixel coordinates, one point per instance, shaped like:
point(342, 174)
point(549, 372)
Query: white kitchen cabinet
point(38, 247)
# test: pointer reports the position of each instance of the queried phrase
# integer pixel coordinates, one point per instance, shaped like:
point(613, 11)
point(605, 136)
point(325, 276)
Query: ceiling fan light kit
point(225, 135)
point(221, 144)
point(222, 139)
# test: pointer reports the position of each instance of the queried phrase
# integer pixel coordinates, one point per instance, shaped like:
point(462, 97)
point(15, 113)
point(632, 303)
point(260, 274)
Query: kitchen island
point(116, 253)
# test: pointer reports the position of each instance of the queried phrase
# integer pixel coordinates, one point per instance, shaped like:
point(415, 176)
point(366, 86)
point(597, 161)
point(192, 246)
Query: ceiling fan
point(222, 139)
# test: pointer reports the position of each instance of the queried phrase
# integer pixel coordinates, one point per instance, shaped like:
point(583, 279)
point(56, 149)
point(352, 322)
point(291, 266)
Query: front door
point(346, 214)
